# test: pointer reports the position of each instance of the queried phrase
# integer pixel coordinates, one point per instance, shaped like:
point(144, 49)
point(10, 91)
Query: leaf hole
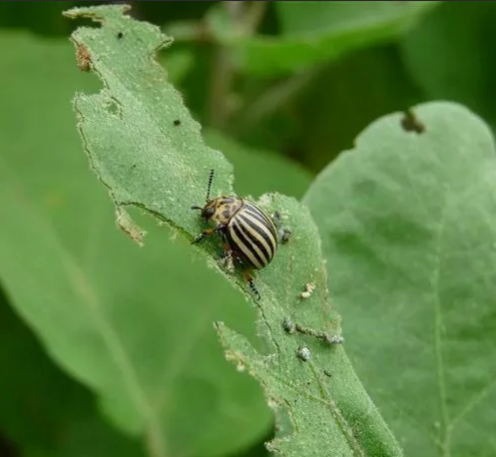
point(114, 107)
point(84, 20)
point(411, 123)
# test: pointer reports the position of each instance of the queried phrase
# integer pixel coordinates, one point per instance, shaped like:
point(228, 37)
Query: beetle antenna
point(209, 187)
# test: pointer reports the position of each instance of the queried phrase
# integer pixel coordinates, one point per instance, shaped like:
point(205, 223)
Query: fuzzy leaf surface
point(409, 229)
point(148, 161)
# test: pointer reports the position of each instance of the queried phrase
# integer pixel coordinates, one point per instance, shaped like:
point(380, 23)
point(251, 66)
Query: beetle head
point(207, 211)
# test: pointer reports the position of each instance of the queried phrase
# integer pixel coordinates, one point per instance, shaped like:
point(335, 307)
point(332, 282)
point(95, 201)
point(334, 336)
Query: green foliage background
point(283, 90)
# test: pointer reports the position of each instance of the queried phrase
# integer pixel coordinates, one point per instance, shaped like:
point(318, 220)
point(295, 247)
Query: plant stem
point(271, 100)
point(245, 20)
point(222, 73)
point(254, 15)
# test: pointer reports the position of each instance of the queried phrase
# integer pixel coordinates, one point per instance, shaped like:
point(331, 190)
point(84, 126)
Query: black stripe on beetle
point(256, 213)
point(249, 234)
point(261, 223)
point(246, 247)
point(263, 226)
point(258, 234)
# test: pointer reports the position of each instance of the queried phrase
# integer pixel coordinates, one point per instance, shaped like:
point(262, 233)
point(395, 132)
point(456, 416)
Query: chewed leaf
point(120, 320)
point(149, 160)
point(408, 220)
point(126, 224)
point(135, 136)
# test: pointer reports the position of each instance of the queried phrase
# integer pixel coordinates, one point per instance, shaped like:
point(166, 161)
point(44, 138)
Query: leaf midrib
point(449, 425)
point(438, 325)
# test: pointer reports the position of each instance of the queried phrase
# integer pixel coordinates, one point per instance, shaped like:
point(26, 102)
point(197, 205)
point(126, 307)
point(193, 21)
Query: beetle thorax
point(224, 208)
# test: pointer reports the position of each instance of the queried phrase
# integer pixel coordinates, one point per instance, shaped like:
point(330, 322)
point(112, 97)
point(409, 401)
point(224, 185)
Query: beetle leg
point(225, 246)
point(206, 233)
point(253, 288)
point(247, 275)
point(227, 252)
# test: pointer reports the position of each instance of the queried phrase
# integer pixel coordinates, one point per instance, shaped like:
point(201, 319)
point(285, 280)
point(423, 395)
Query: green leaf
point(408, 226)
point(145, 160)
point(316, 32)
point(459, 65)
point(92, 437)
point(41, 410)
point(307, 19)
point(134, 325)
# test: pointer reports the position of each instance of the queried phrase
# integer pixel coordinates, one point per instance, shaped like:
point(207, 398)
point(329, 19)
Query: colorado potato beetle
point(249, 235)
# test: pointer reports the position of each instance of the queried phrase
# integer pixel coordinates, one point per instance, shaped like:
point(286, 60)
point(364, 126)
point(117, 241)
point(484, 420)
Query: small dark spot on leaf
point(411, 123)
point(177, 122)
point(83, 57)
point(288, 326)
point(286, 235)
point(327, 373)
point(283, 232)
point(120, 35)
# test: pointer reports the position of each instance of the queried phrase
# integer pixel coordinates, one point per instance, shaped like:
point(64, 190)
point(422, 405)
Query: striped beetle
point(248, 234)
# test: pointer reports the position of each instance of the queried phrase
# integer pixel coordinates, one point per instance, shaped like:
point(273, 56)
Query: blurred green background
point(281, 88)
